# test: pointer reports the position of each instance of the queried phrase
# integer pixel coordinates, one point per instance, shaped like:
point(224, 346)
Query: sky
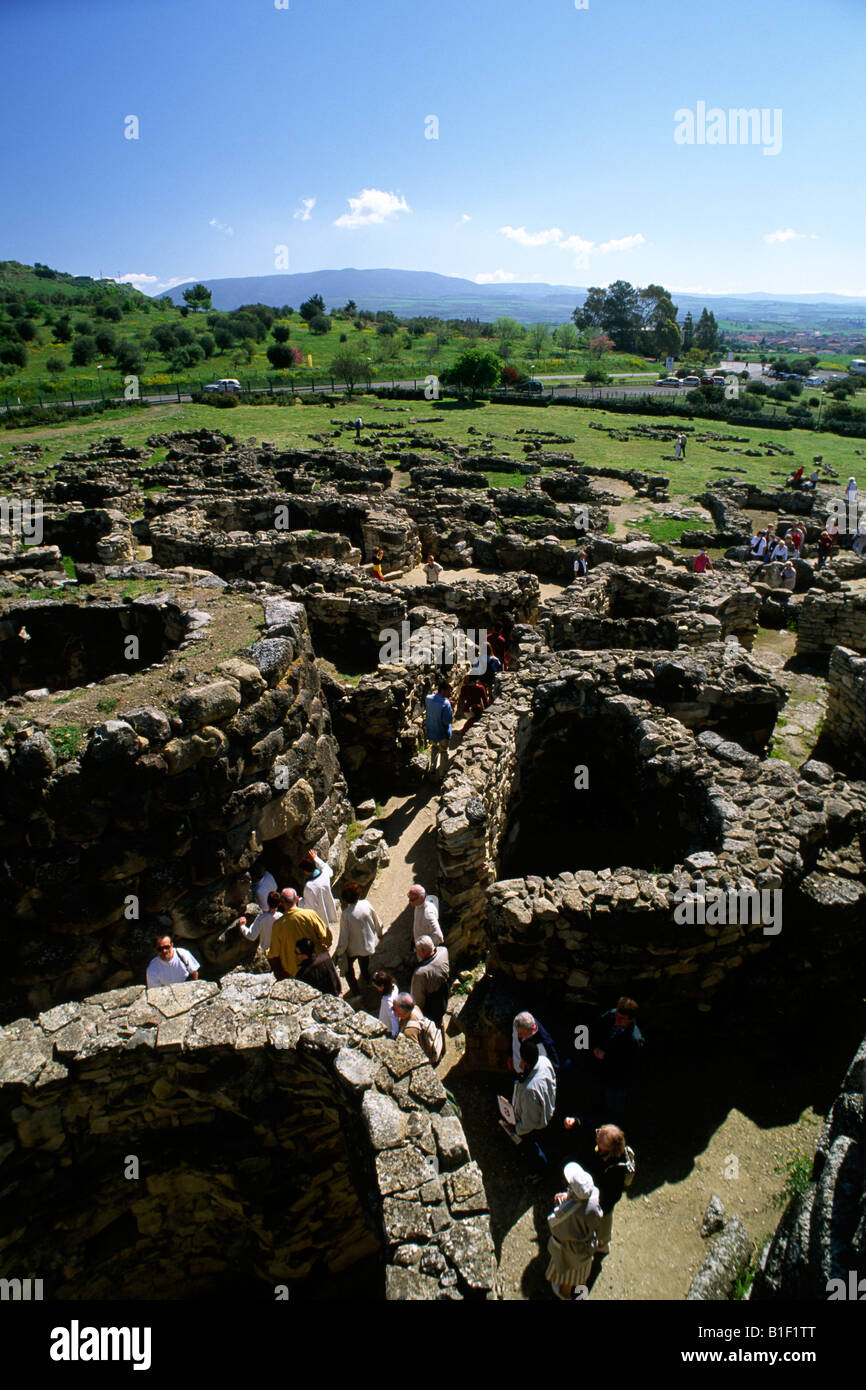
point(500, 140)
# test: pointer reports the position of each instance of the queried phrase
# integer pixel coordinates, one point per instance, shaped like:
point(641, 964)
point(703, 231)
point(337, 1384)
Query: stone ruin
point(642, 672)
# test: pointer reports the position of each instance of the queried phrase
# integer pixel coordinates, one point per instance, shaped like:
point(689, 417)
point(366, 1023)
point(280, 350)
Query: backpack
point(630, 1163)
point(432, 1041)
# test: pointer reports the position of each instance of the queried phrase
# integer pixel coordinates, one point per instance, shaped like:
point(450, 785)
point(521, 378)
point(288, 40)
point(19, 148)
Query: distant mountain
point(409, 292)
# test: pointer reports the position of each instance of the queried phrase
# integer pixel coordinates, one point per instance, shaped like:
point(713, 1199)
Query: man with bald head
point(425, 921)
point(296, 924)
point(430, 980)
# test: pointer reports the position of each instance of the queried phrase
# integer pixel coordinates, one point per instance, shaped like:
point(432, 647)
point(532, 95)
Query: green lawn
point(294, 427)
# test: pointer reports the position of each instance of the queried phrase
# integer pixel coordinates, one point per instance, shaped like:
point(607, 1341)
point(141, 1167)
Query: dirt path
point(799, 724)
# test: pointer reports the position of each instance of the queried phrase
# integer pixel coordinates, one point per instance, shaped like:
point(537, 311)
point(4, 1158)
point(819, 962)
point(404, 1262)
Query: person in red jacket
point(702, 562)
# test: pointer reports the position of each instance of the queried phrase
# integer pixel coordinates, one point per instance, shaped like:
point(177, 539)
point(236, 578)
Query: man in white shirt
point(778, 553)
point(432, 569)
point(170, 966)
point(317, 895)
point(262, 928)
point(263, 884)
point(426, 919)
point(758, 546)
point(533, 1102)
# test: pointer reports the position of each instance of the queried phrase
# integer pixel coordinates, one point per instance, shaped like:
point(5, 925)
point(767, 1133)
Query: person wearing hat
point(317, 895)
point(573, 1224)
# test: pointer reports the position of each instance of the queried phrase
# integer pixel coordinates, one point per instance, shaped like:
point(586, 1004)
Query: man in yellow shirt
point(295, 924)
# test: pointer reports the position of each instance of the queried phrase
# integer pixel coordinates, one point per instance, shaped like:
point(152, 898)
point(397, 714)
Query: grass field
point(508, 426)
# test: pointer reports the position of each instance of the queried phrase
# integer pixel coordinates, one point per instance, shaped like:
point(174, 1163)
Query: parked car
point(691, 381)
point(225, 383)
point(814, 381)
point(668, 381)
point(530, 384)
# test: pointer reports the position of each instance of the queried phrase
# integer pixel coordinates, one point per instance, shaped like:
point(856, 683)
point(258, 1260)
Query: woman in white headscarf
point(573, 1225)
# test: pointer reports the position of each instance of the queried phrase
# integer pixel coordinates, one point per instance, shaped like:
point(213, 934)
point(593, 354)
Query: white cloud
point(221, 226)
point(774, 238)
point(495, 277)
point(581, 249)
point(149, 283)
point(305, 211)
point(525, 238)
point(373, 205)
point(464, 218)
point(625, 243)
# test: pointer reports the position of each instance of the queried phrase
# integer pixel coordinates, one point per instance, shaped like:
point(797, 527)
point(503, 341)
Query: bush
point(281, 355)
point(112, 312)
point(596, 376)
point(106, 341)
point(312, 308)
point(26, 330)
point(84, 328)
point(13, 354)
point(281, 333)
point(55, 365)
point(128, 358)
point(320, 324)
point(223, 400)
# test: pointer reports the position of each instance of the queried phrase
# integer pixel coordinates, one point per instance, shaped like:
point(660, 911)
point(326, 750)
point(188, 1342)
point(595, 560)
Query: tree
point(163, 336)
point(537, 338)
point(320, 323)
point(223, 337)
point(207, 344)
point(311, 307)
point(13, 354)
point(248, 348)
point(184, 357)
point(26, 330)
point(476, 369)
point(55, 365)
point(63, 329)
point(660, 335)
point(281, 355)
point(84, 350)
point(707, 332)
point(128, 358)
point(106, 341)
point(596, 376)
point(350, 309)
point(601, 344)
point(667, 341)
point(281, 333)
point(566, 337)
point(386, 329)
point(688, 332)
point(198, 297)
point(350, 366)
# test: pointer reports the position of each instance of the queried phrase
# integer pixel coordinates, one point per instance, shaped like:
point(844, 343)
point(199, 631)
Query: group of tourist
point(581, 1223)
point(476, 693)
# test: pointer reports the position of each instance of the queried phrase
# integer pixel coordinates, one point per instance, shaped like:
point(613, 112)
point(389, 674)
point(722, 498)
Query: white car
point(691, 381)
point(226, 383)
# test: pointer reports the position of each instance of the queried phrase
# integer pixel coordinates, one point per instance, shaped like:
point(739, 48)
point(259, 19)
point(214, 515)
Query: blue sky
point(556, 159)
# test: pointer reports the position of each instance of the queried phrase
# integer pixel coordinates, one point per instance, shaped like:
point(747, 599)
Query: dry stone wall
point(845, 720)
point(828, 620)
point(279, 1139)
point(154, 823)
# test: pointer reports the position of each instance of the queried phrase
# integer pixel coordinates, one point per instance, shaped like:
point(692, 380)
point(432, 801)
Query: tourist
point(617, 1044)
point(702, 562)
point(678, 448)
point(473, 701)
point(316, 968)
point(533, 1103)
point(261, 928)
point(430, 980)
point(264, 883)
point(419, 1029)
point(377, 566)
point(360, 930)
point(789, 577)
point(385, 984)
point(796, 479)
point(170, 966)
point(425, 918)
point(778, 554)
point(524, 1028)
point(432, 570)
point(609, 1166)
point(683, 441)
point(296, 924)
point(496, 644)
point(573, 1225)
point(491, 668)
point(851, 496)
point(317, 895)
point(795, 540)
point(358, 423)
point(439, 727)
point(580, 566)
point(758, 545)
point(825, 548)
point(860, 539)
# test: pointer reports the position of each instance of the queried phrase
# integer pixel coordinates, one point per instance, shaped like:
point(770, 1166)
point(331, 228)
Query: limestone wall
point(822, 1235)
point(828, 620)
point(154, 823)
point(845, 719)
point(278, 1138)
